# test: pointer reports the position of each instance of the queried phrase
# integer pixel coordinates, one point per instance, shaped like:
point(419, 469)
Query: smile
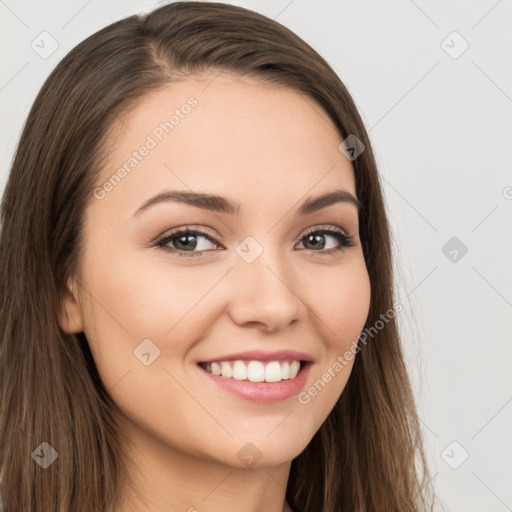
point(254, 370)
point(286, 378)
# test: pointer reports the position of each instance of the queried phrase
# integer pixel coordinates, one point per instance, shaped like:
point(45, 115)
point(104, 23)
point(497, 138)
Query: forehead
point(219, 134)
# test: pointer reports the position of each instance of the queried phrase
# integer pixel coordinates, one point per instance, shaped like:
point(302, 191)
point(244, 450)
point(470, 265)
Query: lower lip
point(264, 392)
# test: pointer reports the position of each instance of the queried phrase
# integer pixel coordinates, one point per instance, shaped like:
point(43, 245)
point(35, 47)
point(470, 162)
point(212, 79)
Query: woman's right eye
point(185, 241)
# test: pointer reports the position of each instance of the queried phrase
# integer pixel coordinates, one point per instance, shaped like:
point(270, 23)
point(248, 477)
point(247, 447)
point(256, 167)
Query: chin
point(261, 452)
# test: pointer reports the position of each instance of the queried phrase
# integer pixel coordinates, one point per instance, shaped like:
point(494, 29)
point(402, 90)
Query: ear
point(70, 314)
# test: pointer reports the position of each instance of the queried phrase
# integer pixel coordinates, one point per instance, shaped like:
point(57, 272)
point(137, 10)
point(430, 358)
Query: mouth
point(256, 370)
point(263, 382)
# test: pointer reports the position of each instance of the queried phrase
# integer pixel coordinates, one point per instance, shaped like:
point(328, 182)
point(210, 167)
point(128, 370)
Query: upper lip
point(262, 355)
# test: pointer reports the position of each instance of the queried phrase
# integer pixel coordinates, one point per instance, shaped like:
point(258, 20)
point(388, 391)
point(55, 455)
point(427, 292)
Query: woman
point(197, 292)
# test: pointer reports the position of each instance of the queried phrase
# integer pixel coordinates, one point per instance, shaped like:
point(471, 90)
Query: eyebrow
point(223, 205)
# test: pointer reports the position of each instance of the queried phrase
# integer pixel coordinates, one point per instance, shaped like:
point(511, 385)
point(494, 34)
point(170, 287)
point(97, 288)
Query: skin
point(268, 148)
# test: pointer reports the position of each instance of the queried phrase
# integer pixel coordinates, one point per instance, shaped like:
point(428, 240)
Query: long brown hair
point(367, 456)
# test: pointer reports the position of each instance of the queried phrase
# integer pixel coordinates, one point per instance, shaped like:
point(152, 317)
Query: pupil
point(317, 238)
point(185, 244)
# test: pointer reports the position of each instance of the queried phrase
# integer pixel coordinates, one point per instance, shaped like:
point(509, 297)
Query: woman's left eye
point(185, 241)
point(318, 235)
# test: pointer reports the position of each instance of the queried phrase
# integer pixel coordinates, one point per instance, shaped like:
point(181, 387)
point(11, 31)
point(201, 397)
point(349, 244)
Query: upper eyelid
point(324, 227)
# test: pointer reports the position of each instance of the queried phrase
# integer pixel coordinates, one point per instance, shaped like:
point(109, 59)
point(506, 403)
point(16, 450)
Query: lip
point(262, 392)
point(261, 355)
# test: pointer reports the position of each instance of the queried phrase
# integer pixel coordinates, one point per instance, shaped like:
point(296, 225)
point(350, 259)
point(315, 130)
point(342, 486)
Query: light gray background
point(441, 126)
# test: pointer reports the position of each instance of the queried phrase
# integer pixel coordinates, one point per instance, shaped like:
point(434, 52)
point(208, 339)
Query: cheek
point(339, 313)
point(341, 303)
point(151, 308)
point(134, 299)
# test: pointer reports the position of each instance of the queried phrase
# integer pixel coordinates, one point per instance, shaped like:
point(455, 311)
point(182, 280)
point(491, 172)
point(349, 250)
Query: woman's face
point(253, 279)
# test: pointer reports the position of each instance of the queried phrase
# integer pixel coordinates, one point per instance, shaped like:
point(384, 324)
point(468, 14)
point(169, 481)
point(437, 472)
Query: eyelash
point(344, 239)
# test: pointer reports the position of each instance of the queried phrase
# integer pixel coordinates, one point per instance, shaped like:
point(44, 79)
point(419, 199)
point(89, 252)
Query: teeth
point(255, 371)
point(294, 369)
point(216, 369)
point(274, 372)
point(285, 370)
point(226, 370)
point(239, 371)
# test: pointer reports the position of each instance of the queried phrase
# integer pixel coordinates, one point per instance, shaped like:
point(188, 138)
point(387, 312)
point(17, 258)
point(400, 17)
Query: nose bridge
point(264, 286)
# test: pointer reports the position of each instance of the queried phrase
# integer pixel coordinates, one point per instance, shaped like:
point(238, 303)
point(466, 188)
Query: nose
point(264, 293)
